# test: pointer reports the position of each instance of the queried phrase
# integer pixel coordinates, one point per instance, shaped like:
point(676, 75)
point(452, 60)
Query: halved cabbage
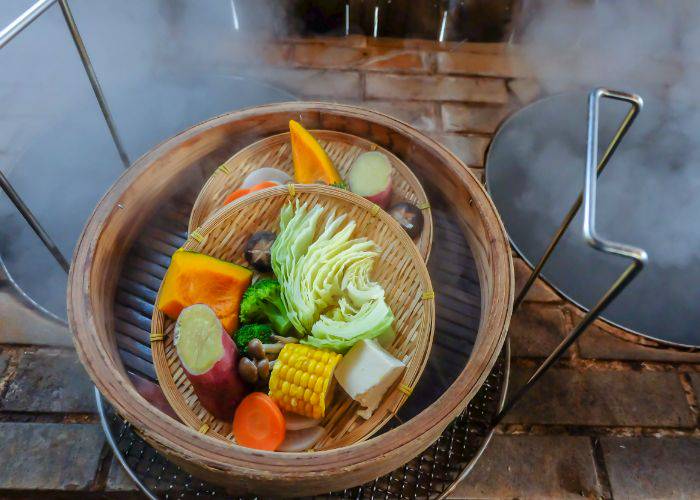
point(325, 279)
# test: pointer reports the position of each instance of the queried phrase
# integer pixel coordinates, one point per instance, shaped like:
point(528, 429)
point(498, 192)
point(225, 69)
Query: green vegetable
point(343, 327)
point(249, 332)
point(261, 303)
point(325, 279)
point(310, 267)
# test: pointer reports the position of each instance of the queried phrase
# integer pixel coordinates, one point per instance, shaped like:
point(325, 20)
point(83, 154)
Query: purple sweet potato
point(209, 358)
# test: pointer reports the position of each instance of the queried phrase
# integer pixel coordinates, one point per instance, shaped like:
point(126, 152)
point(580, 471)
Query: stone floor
point(616, 418)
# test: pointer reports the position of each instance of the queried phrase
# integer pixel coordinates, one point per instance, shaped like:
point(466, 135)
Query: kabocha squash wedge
point(195, 278)
point(311, 162)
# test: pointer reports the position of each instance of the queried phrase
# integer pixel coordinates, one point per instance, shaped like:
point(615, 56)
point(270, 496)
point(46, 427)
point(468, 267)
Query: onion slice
point(265, 174)
point(301, 440)
point(295, 422)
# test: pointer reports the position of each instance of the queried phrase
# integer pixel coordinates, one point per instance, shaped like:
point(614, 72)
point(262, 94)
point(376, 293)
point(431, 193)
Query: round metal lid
point(648, 196)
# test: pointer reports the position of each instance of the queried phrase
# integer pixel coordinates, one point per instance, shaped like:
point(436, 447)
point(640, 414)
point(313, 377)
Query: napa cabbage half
point(325, 278)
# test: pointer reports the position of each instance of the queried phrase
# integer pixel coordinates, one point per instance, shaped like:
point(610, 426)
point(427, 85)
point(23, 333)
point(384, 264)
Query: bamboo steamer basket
point(399, 269)
point(343, 150)
point(185, 161)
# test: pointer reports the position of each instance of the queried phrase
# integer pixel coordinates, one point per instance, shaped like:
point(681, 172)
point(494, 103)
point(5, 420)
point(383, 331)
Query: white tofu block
point(366, 372)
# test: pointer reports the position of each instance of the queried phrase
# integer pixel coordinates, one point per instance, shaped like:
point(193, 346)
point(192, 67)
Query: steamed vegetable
point(250, 332)
point(265, 174)
point(302, 379)
point(258, 423)
point(262, 303)
point(409, 217)
point(302, 440)
point(248, 370)
point(343, 327)
point(195, 278)
point(209, 359)
point(153, 394)
point(325, 279)
point(311, 162)
point(310, 266)
point(256, 349)
point(263, 366)
point(370, 177)
point(296, 422)
point(257, 250)
point(239, 193)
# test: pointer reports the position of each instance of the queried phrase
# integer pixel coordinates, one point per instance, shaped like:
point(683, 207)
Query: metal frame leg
point(637, 255)
point(23, 209)
point(6, 35)
point(94, 82)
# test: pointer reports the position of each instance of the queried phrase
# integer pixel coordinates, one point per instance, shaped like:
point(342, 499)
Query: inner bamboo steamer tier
point(399, 269)
point(343, 149)
point(184, 162)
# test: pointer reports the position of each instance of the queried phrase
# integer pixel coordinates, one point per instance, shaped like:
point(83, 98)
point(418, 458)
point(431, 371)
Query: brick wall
point(617, 417)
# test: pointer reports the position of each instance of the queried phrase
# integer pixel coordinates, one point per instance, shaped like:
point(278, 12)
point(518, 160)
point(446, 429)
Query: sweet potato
point(370, 177)
point(153, 394)
point(209, 358)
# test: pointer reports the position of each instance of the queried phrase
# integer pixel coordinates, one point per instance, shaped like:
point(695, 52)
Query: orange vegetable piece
point(242, 192)
point(311, 162)
point(195, 278)
point(258, 423)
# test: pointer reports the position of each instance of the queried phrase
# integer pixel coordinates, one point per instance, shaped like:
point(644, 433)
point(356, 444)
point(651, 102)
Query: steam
point(652, 186)
point(163, 65)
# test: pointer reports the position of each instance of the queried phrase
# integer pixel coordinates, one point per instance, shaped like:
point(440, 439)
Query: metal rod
point(25, 19)
point(443, 26)
point(375, 29)
point(33, 222)
point(234, 16)
point(347, 19)
point(470, 466)
point(115, 448)
point(637, 255)
point(93, 81)
point(624, 126)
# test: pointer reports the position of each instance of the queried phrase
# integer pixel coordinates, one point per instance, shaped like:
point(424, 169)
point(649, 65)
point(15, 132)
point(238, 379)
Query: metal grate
point(458, 310)
point(426, 476)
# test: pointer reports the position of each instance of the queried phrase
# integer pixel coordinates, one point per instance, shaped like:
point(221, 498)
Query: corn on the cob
point(302, 379)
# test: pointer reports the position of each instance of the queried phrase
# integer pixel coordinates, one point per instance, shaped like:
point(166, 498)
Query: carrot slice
point(258, 423)
point(242, 192)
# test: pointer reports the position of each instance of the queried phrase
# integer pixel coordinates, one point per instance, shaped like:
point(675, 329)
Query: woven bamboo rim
point(400, 269)
point(149, 184)
point(275, 151)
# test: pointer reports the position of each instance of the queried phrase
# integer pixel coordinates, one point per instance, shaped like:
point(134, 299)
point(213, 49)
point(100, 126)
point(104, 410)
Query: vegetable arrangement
point(266, 351)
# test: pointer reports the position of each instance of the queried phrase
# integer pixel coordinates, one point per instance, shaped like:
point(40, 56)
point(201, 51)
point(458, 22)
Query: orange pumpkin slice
point(195, 278)
point(311, 162)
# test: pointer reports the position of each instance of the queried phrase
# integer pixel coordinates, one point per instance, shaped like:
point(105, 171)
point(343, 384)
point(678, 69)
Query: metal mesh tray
point(427, 476)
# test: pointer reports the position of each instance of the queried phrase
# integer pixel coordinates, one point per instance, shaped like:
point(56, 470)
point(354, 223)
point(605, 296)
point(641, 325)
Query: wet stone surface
point(649, 467)
point(49, 381)
point(39, 456)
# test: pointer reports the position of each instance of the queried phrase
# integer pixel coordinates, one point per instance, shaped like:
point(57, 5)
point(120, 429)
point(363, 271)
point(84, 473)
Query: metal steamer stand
point(434, 473)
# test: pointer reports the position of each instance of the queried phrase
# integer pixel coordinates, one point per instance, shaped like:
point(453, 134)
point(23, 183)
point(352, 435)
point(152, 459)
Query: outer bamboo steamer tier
point(343, 150)
point(399, 269)
point(184, 161)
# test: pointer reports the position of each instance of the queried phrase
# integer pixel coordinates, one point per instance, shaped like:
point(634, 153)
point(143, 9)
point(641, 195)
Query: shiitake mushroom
point(409, 217)
point(248, 370)
point(257, 250)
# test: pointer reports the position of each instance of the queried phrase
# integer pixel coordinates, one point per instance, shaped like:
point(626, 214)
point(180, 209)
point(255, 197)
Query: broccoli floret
point(249, 332)
point(262, 303)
